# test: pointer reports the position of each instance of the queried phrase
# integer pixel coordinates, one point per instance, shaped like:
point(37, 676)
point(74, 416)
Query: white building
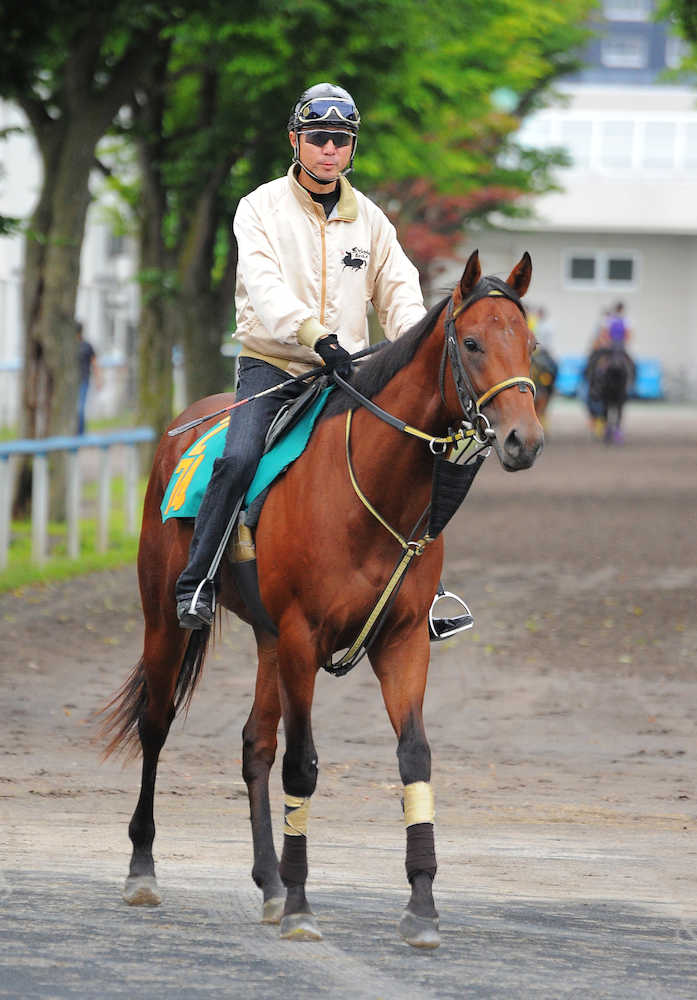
point(624, 227)
point(107, 300)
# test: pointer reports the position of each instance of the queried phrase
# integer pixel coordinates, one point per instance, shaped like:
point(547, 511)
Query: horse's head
point(489, 351)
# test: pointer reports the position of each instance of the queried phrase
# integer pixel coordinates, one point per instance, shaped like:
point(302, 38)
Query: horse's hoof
point(142, 890)
point(419, 932)
point(273, 910)
point(300, 927)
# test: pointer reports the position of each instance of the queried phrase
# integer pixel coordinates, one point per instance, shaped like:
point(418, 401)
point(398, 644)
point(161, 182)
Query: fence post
point(73, 502)
point(131, 486)
point(104, 499)
point(4, 509)
point(39, 509)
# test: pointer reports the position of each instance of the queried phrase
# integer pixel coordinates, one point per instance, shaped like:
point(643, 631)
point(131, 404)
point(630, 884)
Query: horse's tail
point(122, 714)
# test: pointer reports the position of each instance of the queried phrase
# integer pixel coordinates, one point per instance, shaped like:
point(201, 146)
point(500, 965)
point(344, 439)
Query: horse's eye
point(470, 344)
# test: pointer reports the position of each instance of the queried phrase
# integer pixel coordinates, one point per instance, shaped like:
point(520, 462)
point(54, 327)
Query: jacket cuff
point(310, 332)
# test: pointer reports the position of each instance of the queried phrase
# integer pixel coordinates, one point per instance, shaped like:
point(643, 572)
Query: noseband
point(467, 396)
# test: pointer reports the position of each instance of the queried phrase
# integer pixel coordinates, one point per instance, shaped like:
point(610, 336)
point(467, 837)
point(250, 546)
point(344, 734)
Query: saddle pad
point(190, 478)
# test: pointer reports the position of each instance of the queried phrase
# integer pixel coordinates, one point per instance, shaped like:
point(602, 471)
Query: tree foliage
point(435, 146)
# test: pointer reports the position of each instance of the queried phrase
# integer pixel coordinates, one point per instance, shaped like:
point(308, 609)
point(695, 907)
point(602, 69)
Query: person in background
point(87, 366)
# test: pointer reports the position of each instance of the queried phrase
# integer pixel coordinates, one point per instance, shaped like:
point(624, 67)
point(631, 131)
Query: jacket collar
point(347, 207)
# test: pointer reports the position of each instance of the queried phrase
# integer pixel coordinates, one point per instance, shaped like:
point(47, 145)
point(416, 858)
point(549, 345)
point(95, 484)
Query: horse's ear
point(471, 274)
point(519, 278)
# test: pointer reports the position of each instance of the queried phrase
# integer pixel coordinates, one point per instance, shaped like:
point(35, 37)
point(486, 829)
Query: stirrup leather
point(443, 628)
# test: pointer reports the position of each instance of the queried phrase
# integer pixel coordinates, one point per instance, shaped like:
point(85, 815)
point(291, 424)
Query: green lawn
point(122, 547)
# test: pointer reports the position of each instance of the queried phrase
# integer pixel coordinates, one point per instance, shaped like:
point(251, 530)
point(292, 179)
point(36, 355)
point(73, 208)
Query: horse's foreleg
point(402, 672)
point(297, 675)
point(160, 664)
point(259, 751)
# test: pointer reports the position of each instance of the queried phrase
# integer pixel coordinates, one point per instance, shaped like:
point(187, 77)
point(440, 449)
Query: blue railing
point(39, 449)
point(648, 383)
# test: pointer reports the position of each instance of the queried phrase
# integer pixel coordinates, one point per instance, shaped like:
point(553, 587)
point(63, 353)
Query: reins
point(473, 427)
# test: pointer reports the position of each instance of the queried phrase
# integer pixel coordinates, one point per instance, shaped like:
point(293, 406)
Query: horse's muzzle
point(519, 450)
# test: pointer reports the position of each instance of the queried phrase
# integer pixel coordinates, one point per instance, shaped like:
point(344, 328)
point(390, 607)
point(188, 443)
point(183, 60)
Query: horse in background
point(609, 373)
point(330, 533)
point(543, 372)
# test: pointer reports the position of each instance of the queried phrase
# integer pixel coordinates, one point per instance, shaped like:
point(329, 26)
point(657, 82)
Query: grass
point(122, 548)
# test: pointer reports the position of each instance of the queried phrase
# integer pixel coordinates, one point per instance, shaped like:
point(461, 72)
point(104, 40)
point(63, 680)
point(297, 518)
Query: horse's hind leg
point(401, 670)
point(160, 667)
point(259, 751)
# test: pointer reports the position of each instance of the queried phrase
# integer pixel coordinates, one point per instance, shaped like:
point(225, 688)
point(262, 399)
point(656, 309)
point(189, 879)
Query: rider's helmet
point(322, 105)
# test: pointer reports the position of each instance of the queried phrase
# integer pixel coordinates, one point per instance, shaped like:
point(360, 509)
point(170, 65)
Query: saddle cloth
point(194, 469)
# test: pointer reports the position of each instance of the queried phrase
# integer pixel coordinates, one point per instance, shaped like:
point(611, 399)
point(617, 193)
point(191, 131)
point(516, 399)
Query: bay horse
point(323, 557)
point(610, 373)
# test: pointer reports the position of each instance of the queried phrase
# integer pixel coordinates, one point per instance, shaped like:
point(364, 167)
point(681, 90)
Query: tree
point(70, 75)
point(477, 87)
point(215, 128)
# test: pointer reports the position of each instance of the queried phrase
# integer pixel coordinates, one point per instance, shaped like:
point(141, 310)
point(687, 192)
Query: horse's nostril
point(513, 444)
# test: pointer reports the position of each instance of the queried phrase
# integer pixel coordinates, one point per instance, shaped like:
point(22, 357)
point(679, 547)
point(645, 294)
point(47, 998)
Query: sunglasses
point(340, 139)
point(322, 108)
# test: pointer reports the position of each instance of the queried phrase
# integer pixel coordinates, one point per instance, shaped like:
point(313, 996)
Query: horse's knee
point(258, 754)
point(300, 770)
point(413, 754)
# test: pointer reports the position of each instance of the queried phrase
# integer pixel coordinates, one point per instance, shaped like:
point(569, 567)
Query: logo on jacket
point(355, 258)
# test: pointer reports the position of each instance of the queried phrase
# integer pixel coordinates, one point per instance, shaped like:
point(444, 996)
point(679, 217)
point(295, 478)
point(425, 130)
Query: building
point(624, 227)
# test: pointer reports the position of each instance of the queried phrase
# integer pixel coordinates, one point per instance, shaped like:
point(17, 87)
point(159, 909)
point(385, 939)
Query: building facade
point(623, 227)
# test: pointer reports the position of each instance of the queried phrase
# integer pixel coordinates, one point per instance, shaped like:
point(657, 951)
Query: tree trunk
point(51, 272)
point(201, 329)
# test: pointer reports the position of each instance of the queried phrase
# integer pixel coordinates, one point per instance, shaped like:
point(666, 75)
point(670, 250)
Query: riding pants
point(234, 471)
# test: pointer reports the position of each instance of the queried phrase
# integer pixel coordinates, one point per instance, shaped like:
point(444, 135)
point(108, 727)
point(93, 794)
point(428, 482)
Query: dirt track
point(563, 738)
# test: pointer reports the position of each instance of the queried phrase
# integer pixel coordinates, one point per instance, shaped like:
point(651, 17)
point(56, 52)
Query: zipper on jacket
point(323, 292)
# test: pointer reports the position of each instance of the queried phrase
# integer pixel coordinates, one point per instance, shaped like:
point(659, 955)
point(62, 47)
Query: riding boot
point(217, 504)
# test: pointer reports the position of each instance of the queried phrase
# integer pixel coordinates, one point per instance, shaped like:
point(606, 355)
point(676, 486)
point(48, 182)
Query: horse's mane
point(373, 375)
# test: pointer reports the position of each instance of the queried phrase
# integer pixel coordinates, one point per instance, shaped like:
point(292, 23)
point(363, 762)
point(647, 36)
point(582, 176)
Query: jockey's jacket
point(300, 275)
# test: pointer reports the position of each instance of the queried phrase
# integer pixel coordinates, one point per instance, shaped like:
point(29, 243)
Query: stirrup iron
point(443, 628)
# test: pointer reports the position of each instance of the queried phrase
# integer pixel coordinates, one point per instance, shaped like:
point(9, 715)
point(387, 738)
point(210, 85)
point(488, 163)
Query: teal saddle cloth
point(194, 469)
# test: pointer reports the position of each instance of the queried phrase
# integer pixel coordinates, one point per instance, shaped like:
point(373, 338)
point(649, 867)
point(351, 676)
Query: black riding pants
point(234, 471)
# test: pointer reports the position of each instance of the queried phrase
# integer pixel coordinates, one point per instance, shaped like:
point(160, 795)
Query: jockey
point(313, 251)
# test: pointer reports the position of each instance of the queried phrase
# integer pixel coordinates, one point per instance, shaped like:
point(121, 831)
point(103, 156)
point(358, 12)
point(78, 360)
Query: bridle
point(475, 424)
point(467, 396)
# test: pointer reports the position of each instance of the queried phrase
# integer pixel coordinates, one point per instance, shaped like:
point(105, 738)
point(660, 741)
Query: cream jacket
point(300, 275)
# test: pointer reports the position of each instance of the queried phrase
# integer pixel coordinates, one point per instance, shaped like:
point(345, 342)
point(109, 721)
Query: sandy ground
point(563, 737)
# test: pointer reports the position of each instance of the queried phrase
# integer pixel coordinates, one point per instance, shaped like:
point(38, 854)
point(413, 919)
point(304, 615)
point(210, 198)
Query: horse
point(323, 556)
point(543, 371)
point(609, 373)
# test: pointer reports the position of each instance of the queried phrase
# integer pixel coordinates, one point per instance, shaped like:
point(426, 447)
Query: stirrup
point(191, 617)
point(443, 628)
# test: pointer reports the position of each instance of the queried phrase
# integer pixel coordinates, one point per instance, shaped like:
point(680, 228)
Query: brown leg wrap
point(421, 851)
point(293, 866)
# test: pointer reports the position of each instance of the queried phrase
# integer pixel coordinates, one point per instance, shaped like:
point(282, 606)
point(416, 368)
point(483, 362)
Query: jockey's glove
point(335, 357)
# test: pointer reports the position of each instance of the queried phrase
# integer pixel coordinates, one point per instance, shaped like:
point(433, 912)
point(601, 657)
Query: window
point(624, 51)
point(616, 141)
point(581, 268)
point(691, 145)
point(677, 49)
point(659, 145)
point(619, 269)
point(627, 10)
point(601, 269)
point(576, 139)
point(116, 244)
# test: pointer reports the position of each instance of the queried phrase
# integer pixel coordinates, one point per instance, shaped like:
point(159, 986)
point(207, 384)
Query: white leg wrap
point(418, 803)
point(296, 812)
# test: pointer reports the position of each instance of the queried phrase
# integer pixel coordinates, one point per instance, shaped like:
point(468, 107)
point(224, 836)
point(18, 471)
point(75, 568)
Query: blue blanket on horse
point(194, 469)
